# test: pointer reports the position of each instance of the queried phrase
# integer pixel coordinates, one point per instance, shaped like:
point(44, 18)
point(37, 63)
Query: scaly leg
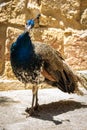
point(36, 103)
point(35, 95)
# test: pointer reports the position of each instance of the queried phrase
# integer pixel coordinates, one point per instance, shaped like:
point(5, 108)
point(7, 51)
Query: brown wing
point(49, 55)
point(55, 68)
point(53, 62)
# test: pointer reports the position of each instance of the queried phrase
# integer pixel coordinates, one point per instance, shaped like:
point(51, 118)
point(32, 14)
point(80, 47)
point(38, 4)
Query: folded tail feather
point(68, 81)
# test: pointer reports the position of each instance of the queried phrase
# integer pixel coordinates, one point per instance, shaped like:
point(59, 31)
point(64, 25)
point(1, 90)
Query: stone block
point(2, 46)
point(8, 73)
point(84, 18)
point(48, 21)
point(17, 15)
point(65, 12)
point(75, 50)
point(83, 5)
point(5, 9)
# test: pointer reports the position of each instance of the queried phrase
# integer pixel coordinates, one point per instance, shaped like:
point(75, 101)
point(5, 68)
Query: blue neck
point(23, 48)
point(24, 40)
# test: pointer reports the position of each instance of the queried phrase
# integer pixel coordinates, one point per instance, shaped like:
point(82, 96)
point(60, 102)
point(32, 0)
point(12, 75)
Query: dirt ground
point(58, 110)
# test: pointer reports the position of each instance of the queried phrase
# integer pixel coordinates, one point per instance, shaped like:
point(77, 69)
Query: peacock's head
point(30, 23)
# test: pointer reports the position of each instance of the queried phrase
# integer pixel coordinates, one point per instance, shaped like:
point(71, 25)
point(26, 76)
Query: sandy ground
point(58, 110)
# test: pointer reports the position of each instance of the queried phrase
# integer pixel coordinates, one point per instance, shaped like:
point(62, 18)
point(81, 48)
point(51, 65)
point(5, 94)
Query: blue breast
point(22, 49)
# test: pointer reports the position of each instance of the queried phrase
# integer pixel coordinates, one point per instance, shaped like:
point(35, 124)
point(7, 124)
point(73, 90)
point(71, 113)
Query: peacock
point(39, 62)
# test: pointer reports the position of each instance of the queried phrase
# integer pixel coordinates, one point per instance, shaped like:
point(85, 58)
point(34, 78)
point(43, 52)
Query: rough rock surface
point(84, 18)
point(66, 12)
point(75, 49)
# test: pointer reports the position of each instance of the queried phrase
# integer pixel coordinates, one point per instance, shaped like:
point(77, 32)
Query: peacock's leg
point(36, 103)
point(34, 98)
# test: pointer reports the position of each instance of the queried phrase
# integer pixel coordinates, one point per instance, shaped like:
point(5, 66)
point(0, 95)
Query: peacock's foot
point(32, 111)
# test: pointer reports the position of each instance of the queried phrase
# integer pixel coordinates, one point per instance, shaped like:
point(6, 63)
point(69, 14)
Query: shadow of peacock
point(38, 62)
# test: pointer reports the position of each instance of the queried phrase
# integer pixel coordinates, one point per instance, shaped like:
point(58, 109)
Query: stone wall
point(63, 25)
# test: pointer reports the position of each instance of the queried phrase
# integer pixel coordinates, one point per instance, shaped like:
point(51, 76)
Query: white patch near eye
point(27, 28)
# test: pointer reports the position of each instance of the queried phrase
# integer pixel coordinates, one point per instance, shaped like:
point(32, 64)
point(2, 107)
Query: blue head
point(29, 24)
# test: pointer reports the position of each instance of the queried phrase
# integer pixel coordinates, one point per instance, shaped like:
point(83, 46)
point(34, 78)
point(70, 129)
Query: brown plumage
point(55, 68)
